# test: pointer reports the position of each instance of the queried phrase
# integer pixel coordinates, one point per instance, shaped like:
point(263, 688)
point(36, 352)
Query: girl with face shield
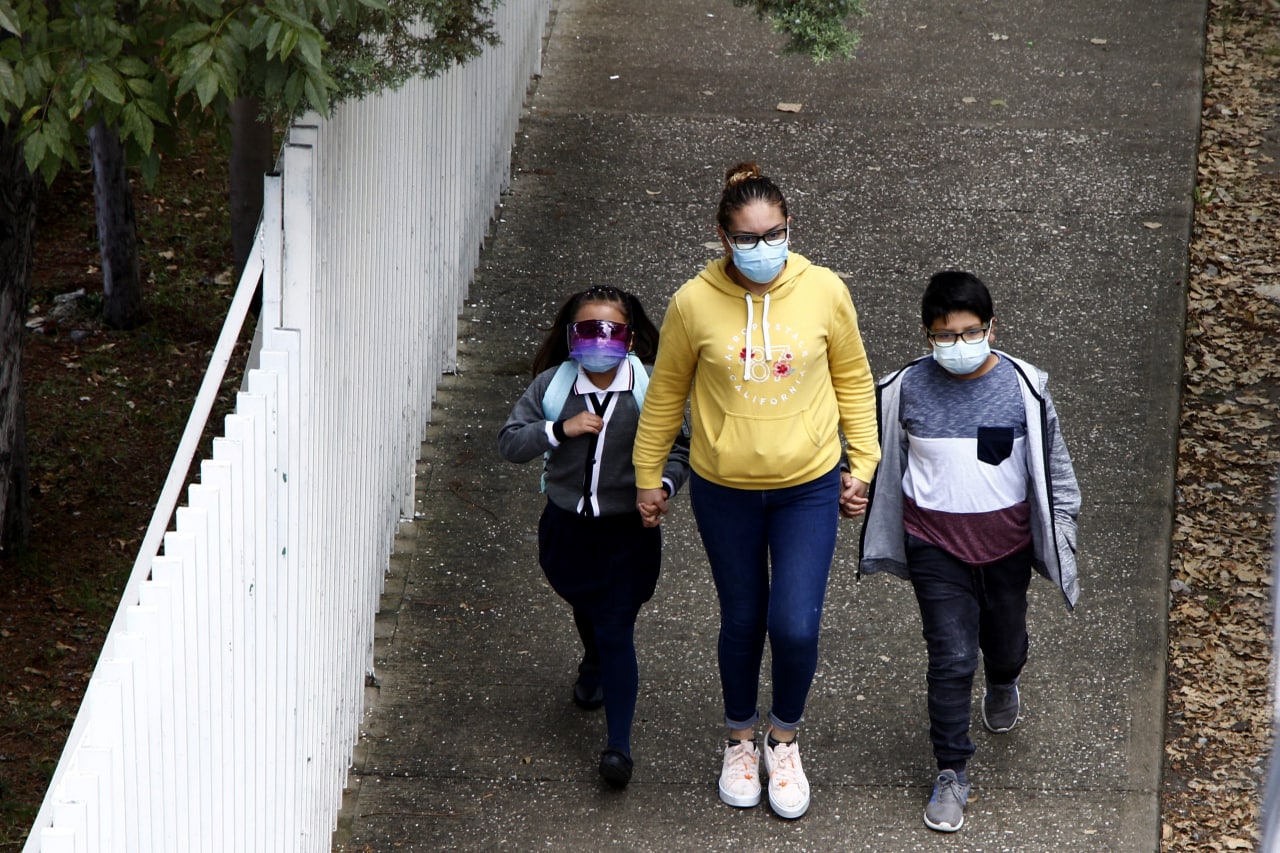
point(580, 414)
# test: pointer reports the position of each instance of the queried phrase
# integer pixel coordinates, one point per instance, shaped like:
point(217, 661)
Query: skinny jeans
point(967, 611)
point(770, 552)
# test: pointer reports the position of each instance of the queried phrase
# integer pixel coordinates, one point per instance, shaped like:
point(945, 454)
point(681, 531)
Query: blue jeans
point(966, 610)
point(744, 532)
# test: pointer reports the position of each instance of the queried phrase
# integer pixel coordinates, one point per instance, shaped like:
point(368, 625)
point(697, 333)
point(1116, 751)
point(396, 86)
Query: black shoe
point(588, 698)
point(615, 767)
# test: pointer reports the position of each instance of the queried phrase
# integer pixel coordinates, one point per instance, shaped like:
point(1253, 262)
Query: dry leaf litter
point(1219, 710)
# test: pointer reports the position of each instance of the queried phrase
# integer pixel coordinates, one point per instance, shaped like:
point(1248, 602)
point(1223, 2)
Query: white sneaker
point(740, 775)
point(788, 788)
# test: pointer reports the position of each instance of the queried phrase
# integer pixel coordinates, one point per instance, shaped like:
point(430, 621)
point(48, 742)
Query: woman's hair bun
point(741, 172)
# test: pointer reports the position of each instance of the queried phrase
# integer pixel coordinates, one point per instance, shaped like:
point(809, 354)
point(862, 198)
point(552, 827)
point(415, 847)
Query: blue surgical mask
point(763, 263)
point(598, 358)
point(962, 358)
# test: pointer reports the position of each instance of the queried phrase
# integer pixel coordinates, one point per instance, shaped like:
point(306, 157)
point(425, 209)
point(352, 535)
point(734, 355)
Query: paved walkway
point(1048, 147)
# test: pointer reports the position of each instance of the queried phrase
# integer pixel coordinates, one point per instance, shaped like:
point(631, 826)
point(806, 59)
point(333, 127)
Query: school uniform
point(592, 545)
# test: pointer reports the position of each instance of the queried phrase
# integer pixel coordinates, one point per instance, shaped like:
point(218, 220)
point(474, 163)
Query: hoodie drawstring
point(764, 325)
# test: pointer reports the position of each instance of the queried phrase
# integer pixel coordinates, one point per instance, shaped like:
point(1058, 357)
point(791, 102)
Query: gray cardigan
point(525, 436)
point(1054, 494)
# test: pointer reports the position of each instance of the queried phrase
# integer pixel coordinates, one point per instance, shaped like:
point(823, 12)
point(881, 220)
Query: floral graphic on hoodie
point(777, 366)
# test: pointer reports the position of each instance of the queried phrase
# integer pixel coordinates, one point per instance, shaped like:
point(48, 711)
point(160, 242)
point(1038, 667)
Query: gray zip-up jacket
point(1054, 495)
point(527, 435)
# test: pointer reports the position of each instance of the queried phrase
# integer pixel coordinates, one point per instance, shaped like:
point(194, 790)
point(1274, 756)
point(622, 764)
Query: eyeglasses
point(776, 237)
point(604, 330)
point(948, 339)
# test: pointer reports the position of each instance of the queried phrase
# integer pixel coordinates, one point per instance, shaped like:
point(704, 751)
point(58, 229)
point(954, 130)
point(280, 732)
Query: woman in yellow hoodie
point(765, 348)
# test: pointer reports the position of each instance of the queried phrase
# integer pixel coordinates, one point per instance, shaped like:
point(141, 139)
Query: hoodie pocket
point(751, 448)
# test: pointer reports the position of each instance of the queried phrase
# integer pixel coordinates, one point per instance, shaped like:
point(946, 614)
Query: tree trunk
point(117, 231)
point(17, 238)
point(252, 156)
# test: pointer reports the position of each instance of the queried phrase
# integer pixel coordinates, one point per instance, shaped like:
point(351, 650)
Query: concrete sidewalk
point(1050, 148)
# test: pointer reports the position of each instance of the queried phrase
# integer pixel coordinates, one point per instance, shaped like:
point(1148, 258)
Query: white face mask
point(962, 358)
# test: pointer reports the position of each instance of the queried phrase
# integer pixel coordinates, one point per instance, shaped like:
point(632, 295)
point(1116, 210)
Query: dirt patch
point(105, 411)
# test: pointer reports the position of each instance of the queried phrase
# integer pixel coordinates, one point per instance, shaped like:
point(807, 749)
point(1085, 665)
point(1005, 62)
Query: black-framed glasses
point(776, 237)
point(948, 339)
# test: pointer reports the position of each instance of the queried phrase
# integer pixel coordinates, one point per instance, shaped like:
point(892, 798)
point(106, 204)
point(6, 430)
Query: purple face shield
point(598, 345)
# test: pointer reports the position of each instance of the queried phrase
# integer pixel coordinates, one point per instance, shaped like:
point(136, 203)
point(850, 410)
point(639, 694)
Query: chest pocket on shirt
point(994, 444)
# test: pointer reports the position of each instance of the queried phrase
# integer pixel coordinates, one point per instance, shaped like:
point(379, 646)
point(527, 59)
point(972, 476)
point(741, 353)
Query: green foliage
point(386, 46)
point(816, 28)
point(146, 68)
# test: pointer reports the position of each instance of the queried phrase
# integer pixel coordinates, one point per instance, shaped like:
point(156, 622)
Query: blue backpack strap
point(558, 391)
point(562, 383)
point(639, 379)
point(553, 402)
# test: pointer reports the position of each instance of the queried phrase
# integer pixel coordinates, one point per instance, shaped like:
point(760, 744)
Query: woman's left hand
point(652, 504)
point(853, 495)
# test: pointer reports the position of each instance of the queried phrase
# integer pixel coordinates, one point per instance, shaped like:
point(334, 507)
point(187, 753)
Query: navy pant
point(606, 568)
point(966, 610)
point(770, 553)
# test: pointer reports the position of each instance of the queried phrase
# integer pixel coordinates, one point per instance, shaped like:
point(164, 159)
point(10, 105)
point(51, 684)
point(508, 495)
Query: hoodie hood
point(717, 275)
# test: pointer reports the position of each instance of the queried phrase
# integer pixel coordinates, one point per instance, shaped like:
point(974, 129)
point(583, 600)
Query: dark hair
point(644, 335)
point(951, 291)
point(744, 184)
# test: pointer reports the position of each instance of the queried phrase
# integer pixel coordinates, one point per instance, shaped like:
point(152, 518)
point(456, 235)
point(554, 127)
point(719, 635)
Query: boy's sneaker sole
point(942, 827)
point(945, 810)
point(998, 721)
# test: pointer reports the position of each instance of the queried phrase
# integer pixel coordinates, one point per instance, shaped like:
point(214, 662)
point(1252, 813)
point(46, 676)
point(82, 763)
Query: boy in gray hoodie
point(974, 490)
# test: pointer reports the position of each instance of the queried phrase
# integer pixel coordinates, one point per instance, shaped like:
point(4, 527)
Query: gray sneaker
point(1000, 707)
point(945, 811)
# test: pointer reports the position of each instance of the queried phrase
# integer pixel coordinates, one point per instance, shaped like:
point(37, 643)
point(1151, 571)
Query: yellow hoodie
point(773, 378)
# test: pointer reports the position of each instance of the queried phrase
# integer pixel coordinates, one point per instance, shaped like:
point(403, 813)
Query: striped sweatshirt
point(1040, 460)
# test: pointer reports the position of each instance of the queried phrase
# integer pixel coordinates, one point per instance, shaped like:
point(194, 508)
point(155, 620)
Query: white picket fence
point(226, 702)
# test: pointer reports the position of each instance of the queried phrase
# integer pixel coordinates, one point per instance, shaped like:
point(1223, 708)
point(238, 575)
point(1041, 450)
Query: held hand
point(583, 423)
point(853, 495)
point(652, 504)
